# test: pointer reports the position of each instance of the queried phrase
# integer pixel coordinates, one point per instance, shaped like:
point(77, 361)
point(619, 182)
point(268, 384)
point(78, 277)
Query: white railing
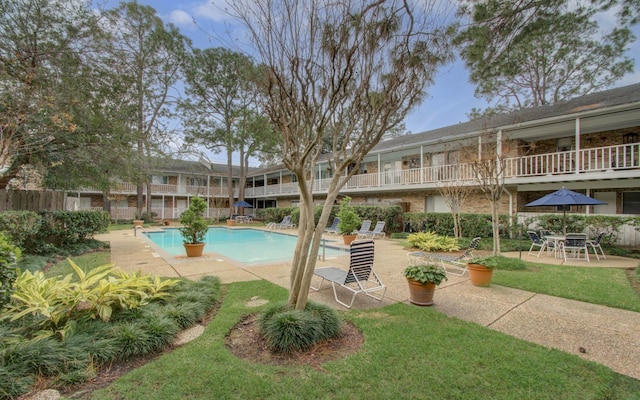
point(621, 157)
point(610, 157)
point(540, 164)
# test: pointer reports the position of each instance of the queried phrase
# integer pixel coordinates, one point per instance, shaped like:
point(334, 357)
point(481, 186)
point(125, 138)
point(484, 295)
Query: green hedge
point(35, 233)
point(9, 256)
point(67, 227)
point(22, 227)
point(471, 225)
point(590, 224)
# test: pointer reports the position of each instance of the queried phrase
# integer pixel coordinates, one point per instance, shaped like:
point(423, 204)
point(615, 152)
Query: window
point(159, 180)
point(196, 181)
point(564, 144)
point(631, 202)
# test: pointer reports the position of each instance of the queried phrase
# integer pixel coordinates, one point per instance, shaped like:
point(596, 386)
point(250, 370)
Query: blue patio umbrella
point(242, 204)
point(565, 197)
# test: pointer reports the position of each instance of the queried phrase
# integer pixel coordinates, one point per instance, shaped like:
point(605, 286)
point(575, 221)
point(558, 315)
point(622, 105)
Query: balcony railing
point(616, 158)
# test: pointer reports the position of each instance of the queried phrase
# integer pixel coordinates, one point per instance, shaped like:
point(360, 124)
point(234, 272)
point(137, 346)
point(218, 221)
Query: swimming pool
point(246, 245)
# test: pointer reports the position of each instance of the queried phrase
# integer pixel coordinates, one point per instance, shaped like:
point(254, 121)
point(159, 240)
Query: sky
point(449, 100)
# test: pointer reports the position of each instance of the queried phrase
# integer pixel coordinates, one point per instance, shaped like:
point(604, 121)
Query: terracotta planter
point(231, 222)
point(480, 275)
point(166, 223)
point(194, 249)
point(138, 222)
point(349, 238)
point(421, 294)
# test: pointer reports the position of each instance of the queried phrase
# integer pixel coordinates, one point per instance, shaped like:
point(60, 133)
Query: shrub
point(95, 294)
point(68, 227)
point(21, 226)
point(9, 256)
point(429, 241)
point(27, 353)
point(194, 225)
point(349, 220)
point(287, 330)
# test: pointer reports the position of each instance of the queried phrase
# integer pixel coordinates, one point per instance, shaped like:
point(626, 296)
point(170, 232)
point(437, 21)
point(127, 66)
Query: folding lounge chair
point(333, 229)
point(360, 278)
point(378, 231)
point(417, 257)
point(364, 230)
point(285, 223)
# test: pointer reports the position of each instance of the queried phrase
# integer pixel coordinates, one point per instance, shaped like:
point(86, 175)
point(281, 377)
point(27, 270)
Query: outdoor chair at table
point(536, 241)
point(575, 243)
point(597, 244)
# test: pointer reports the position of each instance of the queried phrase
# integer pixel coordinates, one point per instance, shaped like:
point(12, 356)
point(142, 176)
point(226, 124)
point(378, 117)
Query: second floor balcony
point(609, 162)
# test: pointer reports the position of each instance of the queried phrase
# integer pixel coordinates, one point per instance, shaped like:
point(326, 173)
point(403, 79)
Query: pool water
point(248, 246)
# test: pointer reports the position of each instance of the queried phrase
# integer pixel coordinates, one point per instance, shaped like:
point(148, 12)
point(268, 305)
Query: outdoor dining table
point(556, 240)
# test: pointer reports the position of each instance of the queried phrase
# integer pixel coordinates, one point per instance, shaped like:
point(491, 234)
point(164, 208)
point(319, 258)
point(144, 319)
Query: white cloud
point(181, 19)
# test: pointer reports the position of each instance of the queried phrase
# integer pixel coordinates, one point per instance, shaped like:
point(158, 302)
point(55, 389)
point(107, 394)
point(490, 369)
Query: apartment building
point(588, 144)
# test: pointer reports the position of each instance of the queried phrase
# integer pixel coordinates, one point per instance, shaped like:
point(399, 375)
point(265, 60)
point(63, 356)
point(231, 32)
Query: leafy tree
point(148, 53)
point(526, 53)
point(44, 76)
point(220, 112)
point(350, 70)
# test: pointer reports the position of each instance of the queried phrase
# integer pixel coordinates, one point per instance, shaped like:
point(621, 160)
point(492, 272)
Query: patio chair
point(596, 244)
point(285, 223)
point(459, 261)
point(536, 241)
point(378, 231)
point(360, 278)
point(333, 229)
point(364, 230)
point(575, 243)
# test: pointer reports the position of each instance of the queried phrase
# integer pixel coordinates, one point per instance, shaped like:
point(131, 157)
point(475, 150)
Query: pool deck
point(602, 334)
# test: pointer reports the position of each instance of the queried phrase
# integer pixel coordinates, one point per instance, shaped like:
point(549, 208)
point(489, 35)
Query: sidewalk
point(608, 336)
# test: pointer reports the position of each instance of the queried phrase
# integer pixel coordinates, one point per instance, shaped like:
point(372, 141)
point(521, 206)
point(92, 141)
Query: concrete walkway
point(602, 334)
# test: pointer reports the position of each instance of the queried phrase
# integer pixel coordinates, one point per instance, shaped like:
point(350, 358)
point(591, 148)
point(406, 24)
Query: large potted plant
point(481, 269)
point(194, 227)
point(422, 280)
point(349, 221)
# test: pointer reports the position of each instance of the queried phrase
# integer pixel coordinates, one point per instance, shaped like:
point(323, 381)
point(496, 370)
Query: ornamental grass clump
point(287, 330)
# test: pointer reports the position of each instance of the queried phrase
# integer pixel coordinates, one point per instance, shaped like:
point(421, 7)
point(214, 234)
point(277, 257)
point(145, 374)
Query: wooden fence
point(32, 200)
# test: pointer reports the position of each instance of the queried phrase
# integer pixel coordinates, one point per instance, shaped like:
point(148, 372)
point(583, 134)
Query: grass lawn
point(409, 352)
point(605, 286)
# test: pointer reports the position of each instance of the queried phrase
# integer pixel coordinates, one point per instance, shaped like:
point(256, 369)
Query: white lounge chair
point(378, 231)
point(333, 229)
point(364, 230)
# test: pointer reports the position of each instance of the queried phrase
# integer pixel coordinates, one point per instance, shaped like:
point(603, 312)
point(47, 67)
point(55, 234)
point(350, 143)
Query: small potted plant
point(194, 227)
point(481, 269)
point(349, 221)
point(423, 280)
